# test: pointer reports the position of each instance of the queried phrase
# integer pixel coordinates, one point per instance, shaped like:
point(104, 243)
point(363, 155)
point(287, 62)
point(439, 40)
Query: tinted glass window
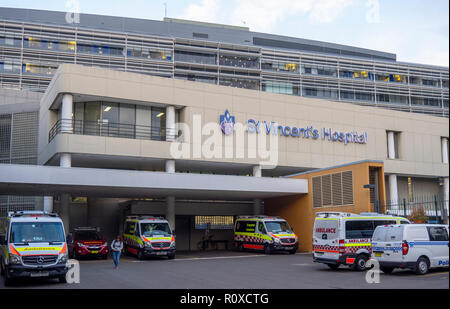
point(87, 235)
point(383, 222)
point(359, 229)
point(245, 226)
point(437, 233)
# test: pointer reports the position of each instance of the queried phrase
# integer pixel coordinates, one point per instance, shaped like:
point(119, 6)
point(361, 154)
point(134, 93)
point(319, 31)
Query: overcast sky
point(416, 30)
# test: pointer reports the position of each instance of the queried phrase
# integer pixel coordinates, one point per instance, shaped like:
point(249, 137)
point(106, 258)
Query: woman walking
point(116, 247)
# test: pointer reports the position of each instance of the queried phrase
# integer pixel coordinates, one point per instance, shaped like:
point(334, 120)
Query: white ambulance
point(345, 238)
point(33, 245)
point(415, 246)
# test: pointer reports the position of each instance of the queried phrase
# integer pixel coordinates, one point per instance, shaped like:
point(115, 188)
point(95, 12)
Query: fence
point(435, 208)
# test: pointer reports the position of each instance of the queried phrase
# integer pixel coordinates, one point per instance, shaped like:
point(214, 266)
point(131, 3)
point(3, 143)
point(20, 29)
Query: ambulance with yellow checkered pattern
point(145, 236)
point(346, 238)
point(264, 233)
point(33, 244)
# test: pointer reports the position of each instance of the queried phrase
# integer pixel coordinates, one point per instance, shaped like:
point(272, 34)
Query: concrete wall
point(299, 211)
point(420, 150)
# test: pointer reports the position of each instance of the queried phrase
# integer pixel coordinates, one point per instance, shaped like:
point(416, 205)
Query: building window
point(333, 189)
point(214, 222)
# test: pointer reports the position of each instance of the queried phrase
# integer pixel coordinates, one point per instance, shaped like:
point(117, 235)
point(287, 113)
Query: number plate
point(161, 253)
point(39, 274)
point(94, 252)
point(378, 254)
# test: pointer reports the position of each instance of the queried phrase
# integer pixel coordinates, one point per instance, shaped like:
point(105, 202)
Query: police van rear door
point(326, 238)
point(387, 243)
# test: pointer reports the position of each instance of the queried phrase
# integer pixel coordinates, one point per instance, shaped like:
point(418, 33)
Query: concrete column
point(444, 146)
point(65, 160)
point(64, 211)
point(257, 171)
point(391, 145)
point(66, 113)
point(393, 190)
point(48, 203)
point(170, 211)
point(446, 196)
point(170, 166)
point(170, 123)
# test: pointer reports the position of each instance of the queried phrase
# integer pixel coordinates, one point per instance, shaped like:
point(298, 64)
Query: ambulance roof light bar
point(326, 214)
point(30, 213)
point(145, 217)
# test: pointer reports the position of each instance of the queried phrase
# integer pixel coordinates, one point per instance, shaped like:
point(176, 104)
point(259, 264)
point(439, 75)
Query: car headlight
point(172, 244)
point(147, 244)
point(14, 259)
point(105, 244)
point(276, 240)
point(79, 244)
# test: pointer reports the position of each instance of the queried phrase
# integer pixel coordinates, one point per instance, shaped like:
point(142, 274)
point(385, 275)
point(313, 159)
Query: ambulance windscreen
point(32, 232)
point(326, 229)
point(277, 227)
point(153, 229)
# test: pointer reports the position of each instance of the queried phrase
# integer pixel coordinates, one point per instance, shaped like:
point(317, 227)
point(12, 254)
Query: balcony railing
point(111, 129)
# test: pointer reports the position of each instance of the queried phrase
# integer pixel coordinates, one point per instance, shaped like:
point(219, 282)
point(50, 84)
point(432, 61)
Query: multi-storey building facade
point(96, 106)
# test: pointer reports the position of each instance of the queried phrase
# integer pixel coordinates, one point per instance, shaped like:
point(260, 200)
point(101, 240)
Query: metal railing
point(111, 129)
point(435, 208)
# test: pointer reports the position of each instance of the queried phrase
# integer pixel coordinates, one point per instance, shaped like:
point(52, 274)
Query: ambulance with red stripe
point(146, 236)
point(33, 245)
point(346, 238)
point(264, 233)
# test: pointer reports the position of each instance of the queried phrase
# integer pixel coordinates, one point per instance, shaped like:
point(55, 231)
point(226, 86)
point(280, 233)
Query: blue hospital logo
point(227, 123)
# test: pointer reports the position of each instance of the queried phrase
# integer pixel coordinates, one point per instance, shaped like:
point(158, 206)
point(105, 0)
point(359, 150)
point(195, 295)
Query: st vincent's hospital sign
point(257, 127)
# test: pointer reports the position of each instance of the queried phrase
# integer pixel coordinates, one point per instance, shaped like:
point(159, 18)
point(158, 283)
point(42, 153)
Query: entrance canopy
point(50, 180)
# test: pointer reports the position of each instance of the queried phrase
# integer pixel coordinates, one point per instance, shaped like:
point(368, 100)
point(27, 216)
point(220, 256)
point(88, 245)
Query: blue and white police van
point(415, 246)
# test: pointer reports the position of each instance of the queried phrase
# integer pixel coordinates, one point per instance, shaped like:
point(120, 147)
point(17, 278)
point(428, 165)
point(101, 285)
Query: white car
point(415, 246)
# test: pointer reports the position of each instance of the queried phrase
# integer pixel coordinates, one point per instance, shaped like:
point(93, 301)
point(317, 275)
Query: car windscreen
point(277, 227)
point(326, 229)
point(88, 235)
point(29, 232)
point(152, 229)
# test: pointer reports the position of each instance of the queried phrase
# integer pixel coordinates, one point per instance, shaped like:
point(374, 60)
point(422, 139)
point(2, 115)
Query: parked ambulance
point(146, 236)
point(415, 246)
point(33, 245)
point(264, 233)
point(345, 238)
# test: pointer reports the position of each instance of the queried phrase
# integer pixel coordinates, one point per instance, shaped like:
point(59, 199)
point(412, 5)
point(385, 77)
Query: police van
point(264, 233)
point(146, 236)
point(345, 238)
point(416, 246)
point(33, 245)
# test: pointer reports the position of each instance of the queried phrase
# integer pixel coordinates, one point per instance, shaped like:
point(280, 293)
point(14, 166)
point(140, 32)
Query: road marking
point(217, 257)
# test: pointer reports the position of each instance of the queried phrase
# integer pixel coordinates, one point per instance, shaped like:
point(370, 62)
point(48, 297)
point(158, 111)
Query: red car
point(87, 242)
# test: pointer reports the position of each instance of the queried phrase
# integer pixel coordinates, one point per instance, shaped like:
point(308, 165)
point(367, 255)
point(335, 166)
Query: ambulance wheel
point(333, 266)
point(6, 279)
point(293, 252)
point(171, 257)
point(62, 279)
point(267, 249)
point(387, 270)
point(240, 247)
point(140, 255)
point(360, 262)
point(2, 270)
point(422, 266)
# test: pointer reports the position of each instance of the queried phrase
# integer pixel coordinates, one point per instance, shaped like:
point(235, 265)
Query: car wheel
point(333, 266)
point(105, 256)
point(422, 266)
point(140, 255)
point(240, 247)
point(62, 279)
point(293, 252)
point(387, 270)
point(171, 257)
point(360, 262)
point(6, 279)
point(267, 249)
